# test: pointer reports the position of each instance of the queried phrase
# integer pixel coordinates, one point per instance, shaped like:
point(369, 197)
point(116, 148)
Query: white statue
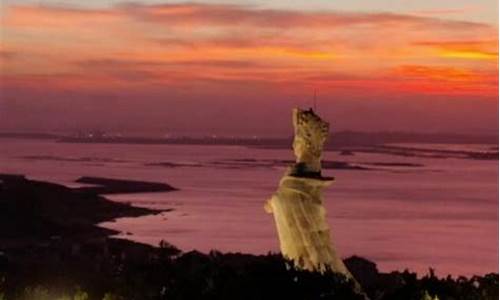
point(297, 205)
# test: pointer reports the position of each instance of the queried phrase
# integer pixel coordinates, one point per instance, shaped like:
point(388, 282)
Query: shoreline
point(38, 211)
point(58, 246)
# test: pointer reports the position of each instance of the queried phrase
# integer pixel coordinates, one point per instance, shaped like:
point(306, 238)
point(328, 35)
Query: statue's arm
point(268, 207)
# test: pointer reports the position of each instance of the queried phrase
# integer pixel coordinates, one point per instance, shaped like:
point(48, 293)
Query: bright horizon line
point(166, 134)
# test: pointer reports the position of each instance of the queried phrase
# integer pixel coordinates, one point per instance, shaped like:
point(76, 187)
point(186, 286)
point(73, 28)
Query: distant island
point(346, 142)
point(337, 140)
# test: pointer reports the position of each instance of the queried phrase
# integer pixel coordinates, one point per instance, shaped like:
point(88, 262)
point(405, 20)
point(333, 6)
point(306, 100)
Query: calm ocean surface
point(442, 214)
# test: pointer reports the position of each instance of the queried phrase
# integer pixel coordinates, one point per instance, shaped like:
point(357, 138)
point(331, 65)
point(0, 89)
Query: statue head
point(311, 133)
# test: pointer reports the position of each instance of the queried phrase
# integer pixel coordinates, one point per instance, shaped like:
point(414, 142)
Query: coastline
point(60, 247)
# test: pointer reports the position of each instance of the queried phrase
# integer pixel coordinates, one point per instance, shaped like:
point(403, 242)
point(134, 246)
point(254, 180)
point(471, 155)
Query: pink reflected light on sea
point(443, 214)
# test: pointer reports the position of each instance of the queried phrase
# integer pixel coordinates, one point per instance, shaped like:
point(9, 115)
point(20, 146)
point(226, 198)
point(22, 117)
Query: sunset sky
point(238, 67)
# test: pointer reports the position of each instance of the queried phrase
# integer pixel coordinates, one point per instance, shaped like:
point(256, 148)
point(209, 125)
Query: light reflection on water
point(443, 214)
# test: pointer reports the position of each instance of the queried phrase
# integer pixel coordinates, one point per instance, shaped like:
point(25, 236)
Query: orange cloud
point(437, 73)
point(50, 16)
point(218, 15)
point(446, 80)
point(465, 49)
point(234, 15)
point(182, 44)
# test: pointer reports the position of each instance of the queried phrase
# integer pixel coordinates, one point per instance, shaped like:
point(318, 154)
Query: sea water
point(424, 212)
